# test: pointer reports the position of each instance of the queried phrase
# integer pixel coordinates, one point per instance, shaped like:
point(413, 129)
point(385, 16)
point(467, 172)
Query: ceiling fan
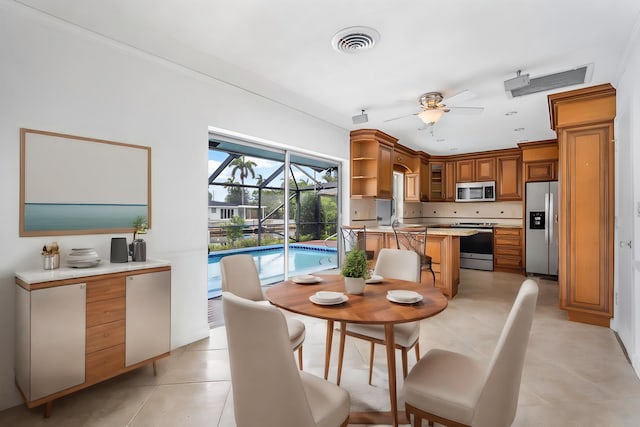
point(433, 107)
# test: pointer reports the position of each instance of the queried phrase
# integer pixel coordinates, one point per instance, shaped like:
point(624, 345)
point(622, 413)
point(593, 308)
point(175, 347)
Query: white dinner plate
point(84, 264)
point(374, 279)
point(315, 300)
point(306, 279)
point(414, 300)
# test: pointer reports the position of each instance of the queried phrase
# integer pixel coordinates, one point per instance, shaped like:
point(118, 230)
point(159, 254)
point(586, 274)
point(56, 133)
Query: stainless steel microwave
point(476, 191)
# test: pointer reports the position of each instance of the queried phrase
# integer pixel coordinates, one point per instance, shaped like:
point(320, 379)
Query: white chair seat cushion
point(330, 404)
point(296, 332)
point(405, 334)
point(447, 384)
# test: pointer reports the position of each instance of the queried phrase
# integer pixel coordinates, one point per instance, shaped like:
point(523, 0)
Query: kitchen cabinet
point(479, 169)
point(371, 164)
point(540, 160)
point(75, 328)
point(436, 181)
point(507, 249)
point(412, 191)
point(583, 120)
point(449, 182)
point(377, 241)
point(541, 171)
point(424, 178)
point(509, 183)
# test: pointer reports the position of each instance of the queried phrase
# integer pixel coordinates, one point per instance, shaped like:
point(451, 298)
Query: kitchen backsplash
point(506, 213)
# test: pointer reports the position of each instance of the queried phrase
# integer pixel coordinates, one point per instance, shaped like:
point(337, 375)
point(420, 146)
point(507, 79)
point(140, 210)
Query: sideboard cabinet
point(75, 328)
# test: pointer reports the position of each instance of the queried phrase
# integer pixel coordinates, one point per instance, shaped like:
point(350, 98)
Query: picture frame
point(77, 185)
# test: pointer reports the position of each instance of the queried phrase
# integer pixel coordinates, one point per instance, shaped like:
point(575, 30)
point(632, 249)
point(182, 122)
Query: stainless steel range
point(476, 252)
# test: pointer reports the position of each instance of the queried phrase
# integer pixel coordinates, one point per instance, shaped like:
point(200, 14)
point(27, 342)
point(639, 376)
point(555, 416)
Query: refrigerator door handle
point(546, 218)
point(551, 217)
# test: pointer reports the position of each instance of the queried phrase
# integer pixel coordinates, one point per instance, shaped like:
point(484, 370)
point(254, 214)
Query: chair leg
point(434, 276)
point(343, 328)
point(371, 361)
point(300, 356)
point(405, 369)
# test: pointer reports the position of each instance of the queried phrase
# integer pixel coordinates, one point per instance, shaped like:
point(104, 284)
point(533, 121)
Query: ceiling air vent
point(355, 39)
point(553, 81)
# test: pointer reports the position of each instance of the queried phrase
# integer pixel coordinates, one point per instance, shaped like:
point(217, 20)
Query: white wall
point(58, 78)
point(627, 131)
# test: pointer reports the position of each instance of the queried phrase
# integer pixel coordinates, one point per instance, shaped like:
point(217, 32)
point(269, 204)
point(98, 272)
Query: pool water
point(303, 259)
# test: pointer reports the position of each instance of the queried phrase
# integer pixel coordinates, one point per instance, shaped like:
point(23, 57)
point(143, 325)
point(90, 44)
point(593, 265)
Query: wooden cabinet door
point(586, 215)
point(412, 187)
point(436, 181)
point(465, 170)
point(385, 172)
point(509, 184)
point(449, 182)
point(540, 171)
point(485, 169)
point(424, 180)
point(375, 242)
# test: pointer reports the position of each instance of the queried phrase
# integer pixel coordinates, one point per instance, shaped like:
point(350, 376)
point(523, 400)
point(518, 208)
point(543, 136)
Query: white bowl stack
point(83, 258)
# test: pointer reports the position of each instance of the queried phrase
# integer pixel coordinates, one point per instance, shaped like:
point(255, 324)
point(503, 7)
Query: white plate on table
point(306, 279)
point(374, 279)
point(328, 298)
point(404, 297)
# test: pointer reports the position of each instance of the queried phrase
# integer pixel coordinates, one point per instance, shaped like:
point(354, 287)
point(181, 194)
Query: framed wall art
point(76, 185)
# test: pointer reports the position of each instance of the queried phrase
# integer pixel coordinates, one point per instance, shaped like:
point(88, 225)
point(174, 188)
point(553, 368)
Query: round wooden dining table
point(371, 307)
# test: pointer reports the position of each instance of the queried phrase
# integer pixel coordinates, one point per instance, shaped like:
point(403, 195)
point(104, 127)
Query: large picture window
point(251, 211)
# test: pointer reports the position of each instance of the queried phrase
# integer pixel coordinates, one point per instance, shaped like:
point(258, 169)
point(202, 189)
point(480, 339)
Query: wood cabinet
point(425, 178)
point(73, 332)
point(509, 183)
point(541, 171)
point(480, 169)
point(507, 249)
point(412, 191)
point(540, 160)
point(583, 120)
point(436, 181)
point(371, 164)
point(449, 182)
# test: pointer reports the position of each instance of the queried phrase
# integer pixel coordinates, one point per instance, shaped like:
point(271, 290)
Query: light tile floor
point(574, 375)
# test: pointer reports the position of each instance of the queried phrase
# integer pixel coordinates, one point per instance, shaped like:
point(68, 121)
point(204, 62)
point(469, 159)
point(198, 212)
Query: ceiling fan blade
point(402, 117)
point(466, 110)
point(459, 97)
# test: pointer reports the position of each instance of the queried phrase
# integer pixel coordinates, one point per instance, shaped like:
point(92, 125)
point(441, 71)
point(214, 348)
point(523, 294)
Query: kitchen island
point(443, 246)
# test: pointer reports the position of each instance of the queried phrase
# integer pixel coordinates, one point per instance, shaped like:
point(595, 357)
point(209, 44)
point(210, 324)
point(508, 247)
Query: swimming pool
point(303, 259)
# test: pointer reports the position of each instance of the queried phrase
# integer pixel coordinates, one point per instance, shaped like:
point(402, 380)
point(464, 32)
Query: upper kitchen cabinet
point(509, 182)
point(442, 183)
point(540, 160)
point(583, 120)
point(479, 169)
point(449, 182)
point(371, 164)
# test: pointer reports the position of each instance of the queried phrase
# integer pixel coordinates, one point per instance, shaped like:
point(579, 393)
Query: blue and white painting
point(75, 185)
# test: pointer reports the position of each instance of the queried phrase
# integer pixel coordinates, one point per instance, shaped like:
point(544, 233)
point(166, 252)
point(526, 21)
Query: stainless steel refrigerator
point(542, 228)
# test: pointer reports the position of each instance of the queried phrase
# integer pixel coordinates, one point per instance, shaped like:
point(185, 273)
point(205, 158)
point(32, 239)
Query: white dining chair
point(392, 264)
point(268, 389)
point(454, 389)
point(240, 276)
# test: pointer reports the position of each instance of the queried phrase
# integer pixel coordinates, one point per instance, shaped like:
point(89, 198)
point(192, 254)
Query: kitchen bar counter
point(443, 246)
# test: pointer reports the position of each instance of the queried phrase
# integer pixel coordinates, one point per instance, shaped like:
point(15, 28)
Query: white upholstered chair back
point(267, 387)
point(240, 276)
point(398, 264)
point(498, 399)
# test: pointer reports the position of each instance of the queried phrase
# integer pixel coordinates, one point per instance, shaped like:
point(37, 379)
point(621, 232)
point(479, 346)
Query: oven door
point(476, 251)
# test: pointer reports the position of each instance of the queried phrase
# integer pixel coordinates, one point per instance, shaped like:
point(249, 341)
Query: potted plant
point(138, 248)
point(355, 271)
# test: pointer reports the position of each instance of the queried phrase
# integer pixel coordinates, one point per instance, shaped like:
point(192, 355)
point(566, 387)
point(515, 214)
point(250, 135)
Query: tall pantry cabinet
point(583, 120)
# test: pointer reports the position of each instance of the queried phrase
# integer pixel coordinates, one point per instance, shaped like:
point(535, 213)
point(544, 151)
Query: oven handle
point(482, 230)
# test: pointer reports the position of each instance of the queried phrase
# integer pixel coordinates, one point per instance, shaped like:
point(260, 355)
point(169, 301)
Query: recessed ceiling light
point(355, 39)
point(440, 140)
point(523, 140)
point(510, 113)
point(518, 129)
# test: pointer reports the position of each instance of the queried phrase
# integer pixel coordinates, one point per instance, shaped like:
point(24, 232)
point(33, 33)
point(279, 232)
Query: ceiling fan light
point(430, 116)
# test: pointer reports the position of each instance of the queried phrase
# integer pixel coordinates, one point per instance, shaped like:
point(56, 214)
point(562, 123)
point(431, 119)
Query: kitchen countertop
point(62, 273)
point(431, 231)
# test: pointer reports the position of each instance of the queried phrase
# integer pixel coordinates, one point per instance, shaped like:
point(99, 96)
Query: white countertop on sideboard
point(62, 273)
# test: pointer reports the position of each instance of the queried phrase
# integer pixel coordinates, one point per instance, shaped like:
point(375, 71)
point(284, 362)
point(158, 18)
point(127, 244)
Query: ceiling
point(281, 49)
